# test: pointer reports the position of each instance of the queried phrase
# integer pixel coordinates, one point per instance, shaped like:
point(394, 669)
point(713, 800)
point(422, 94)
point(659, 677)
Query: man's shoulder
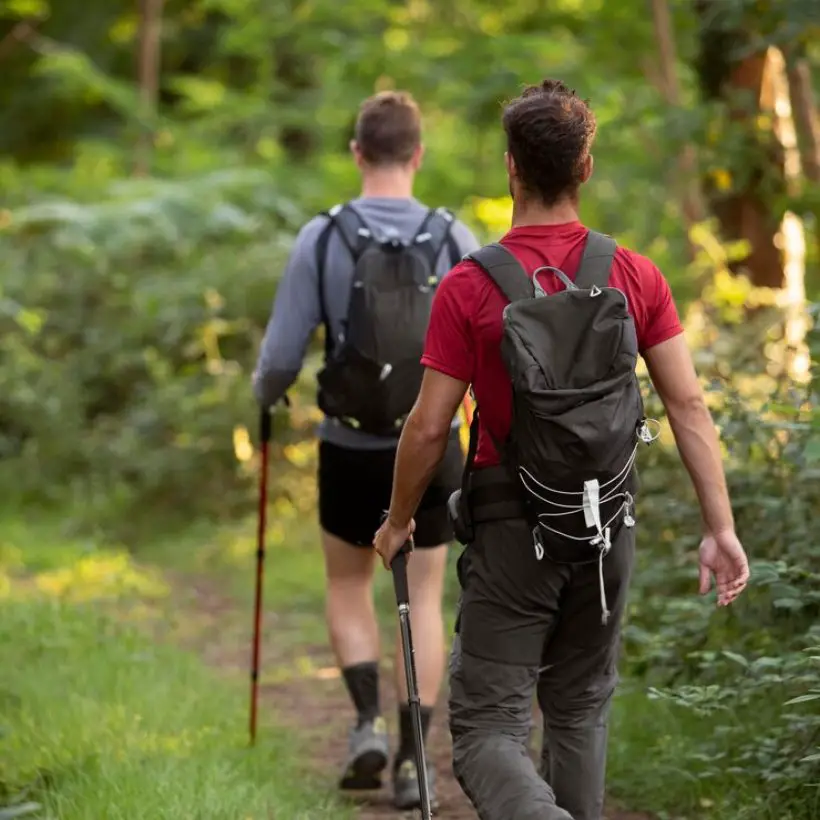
point(463, 282)
point(632, 259)
point(635, 266)
point(310, 232)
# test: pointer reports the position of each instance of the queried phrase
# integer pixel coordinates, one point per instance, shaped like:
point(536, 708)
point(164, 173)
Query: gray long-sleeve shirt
point(297, 311)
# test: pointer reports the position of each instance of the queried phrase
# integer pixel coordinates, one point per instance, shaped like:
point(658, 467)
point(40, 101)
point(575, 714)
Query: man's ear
point(357, 154)
point(509, 164)
point(418, 156)
point(588, 166)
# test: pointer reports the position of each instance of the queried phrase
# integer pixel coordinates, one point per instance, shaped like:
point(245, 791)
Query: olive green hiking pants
point(527, 625)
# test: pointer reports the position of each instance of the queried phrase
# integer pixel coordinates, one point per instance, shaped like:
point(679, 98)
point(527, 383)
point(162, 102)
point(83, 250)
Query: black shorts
point(355, 488)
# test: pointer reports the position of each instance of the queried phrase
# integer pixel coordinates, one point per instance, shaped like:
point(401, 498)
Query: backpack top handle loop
point(566, 281)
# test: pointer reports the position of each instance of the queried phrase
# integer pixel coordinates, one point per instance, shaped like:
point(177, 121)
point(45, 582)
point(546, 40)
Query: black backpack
point(373, 371)
point(578, 415)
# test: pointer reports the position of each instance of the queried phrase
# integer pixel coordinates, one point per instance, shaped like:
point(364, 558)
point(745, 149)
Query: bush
point(129, 329)
point(753, 670)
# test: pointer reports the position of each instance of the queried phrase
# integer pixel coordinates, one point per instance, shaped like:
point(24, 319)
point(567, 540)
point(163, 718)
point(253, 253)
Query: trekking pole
point(399, 567)
point(265, 426)
point(467, 406)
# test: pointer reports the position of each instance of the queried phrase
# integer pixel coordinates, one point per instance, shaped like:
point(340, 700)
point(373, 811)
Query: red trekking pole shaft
point(467, 406)
point(265, 426)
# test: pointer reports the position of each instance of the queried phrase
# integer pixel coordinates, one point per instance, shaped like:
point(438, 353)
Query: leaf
point(30, 321)
point(792, 604)
point(26, 8)
point(18, 811)
point(803, 699)
point(739, 659)
point(764, 572)
point(812, 451)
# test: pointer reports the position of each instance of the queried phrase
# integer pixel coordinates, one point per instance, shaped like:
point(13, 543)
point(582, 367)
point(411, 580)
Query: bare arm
point(673, 375)
point(423, 442)
point(421, 449)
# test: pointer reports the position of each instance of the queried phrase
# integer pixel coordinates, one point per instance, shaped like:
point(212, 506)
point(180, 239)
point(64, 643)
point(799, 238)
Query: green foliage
point(131, 312)
point(750, 673)
point(245, 82)
point(128, 330)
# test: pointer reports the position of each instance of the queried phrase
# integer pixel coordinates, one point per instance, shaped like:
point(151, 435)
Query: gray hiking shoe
point(367, 758)
point(406, 790)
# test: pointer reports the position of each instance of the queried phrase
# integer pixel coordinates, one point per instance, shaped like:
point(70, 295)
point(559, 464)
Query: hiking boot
point(367, 758)
point(406, 790)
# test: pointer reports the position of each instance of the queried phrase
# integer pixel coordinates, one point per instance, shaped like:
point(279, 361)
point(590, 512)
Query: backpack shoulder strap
point(596, 262)
point(352, 227)
point(505, 270)
point(433, 234)
point(321, 256)
point(355, 235)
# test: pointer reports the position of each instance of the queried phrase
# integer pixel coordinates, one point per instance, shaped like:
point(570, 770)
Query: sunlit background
point(156, 160)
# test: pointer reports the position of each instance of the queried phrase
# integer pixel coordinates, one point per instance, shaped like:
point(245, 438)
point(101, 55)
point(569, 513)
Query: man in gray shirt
point(356, 468)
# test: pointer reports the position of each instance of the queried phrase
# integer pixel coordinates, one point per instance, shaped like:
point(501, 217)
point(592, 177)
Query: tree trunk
point(693, 208)
point(806, 122)
point(804, 111)
point(792, 298)
point(148, 71)
point(731, 72)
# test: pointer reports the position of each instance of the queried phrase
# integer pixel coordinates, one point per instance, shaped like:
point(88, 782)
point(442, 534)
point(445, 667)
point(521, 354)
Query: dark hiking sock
point(407, 746)
point(362, 681)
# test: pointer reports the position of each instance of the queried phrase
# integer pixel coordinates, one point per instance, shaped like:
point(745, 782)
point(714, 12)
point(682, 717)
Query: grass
point(294, 569)
point(99, 719)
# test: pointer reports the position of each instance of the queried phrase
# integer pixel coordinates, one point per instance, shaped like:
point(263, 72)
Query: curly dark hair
point(388, 128)
point(549, 130)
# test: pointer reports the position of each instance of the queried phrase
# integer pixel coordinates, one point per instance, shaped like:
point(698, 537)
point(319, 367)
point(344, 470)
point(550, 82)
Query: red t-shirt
point(464, 335)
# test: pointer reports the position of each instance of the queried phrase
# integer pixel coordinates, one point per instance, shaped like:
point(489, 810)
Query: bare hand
point(389, 539)
point(723, 558)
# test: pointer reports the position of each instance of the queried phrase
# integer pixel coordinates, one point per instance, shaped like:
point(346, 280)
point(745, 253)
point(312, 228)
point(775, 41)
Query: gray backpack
point(373, 370)
point(578, 416)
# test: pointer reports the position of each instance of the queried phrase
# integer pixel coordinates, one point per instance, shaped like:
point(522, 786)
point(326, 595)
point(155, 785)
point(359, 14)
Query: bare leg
point(354, 636)
point(351, 617)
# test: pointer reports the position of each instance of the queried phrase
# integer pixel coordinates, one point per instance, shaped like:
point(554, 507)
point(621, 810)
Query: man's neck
point(534, 213)
point(388, 183)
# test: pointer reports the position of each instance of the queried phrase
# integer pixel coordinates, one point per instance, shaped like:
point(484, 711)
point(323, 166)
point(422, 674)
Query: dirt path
point(302, 688)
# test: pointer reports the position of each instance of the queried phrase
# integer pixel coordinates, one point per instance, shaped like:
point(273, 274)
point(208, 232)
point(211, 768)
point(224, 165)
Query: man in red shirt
point(526, 623)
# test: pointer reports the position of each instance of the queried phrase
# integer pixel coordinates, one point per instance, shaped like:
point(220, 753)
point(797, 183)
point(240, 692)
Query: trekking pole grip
point(399, 568)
